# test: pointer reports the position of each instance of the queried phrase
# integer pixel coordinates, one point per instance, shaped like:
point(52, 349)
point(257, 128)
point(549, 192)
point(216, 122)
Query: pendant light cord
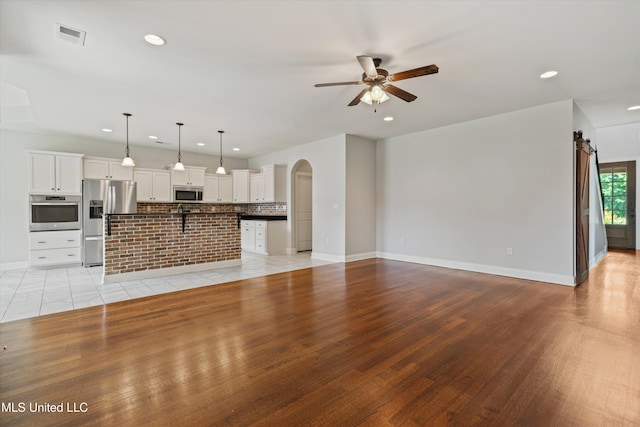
point(127, 150)
point(221, 132)
point(179, 143)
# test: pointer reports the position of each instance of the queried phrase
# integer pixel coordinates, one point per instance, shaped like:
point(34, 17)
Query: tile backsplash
point(267, 209)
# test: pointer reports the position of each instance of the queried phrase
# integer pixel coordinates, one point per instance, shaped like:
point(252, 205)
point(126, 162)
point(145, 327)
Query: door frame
point(293, 216)
point(631, 201)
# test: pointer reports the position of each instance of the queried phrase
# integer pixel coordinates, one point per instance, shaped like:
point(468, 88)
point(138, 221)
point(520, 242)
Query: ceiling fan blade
point(416, 72)
point(402, 94)
point(356, 100)
point(366, 62)
point(337, 84)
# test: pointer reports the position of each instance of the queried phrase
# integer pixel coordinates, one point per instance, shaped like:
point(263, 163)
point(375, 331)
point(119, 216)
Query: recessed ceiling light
point(548, 74)
point(634, 107)
point(236, 149)
point(154, 40)
point(107, 130)
point(153, 137)
point(201, 144)
point(388, 119)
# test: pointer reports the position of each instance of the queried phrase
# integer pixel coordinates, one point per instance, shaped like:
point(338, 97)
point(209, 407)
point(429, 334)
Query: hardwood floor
point(374, 342)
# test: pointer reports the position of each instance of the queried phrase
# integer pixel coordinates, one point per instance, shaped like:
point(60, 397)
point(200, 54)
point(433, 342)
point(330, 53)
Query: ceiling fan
point(378, 82)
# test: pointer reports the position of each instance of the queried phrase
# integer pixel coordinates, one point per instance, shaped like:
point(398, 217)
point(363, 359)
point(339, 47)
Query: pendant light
point(127, 161)
point(179, 166)
point(221, 170)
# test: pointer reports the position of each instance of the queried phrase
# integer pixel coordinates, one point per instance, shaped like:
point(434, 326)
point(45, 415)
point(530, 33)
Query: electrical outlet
point(509, 251)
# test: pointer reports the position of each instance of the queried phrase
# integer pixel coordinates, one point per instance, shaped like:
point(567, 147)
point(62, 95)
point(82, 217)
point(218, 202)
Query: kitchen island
point(152, 244)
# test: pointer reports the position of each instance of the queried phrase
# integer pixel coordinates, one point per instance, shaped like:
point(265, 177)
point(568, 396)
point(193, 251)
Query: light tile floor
point(34, 292)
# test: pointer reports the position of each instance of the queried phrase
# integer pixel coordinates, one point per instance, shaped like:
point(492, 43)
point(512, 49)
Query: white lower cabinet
point(263, 237)
point(54, 247)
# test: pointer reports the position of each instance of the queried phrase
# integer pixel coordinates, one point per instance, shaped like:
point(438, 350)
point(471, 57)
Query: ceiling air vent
point(69, 34)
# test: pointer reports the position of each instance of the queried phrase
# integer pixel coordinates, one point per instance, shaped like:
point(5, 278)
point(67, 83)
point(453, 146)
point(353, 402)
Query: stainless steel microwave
point(187, 194)
point(49, 212)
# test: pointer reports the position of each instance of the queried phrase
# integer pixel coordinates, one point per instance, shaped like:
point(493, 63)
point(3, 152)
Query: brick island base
point(154, 244)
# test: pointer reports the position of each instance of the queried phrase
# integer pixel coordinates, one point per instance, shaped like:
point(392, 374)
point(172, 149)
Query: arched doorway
point(302, 206)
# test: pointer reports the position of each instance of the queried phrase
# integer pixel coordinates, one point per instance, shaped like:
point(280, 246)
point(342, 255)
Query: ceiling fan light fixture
point(548, 74)
point(634, 108)
point(127, 161)
point(376, 95)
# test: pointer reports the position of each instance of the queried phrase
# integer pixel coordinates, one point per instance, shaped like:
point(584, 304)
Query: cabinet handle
point(42, 242)
point(70, 255)
point(42, 257)
point(70, 240)
point(53, 189)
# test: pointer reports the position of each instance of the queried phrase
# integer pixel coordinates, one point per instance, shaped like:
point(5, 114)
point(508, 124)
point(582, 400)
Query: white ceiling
point(248, 67)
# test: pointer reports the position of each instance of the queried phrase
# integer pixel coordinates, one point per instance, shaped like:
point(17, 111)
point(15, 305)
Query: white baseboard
point(14, 265)
point(344, 258)
point(327, 257)
point(361, 256)
point(482, 268)
point(292, 251)
point(145, 274)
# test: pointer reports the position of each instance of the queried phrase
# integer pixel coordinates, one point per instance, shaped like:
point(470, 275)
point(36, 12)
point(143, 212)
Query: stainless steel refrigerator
point(101, 196)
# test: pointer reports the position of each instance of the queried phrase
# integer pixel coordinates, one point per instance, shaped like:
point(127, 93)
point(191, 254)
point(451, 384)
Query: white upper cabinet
point(275, 183)
point(101, 168)
point(241, 182)
point(192, 176)
point(152, 185)
point(270, 185)
point(256, 187)
point(51, 173)
point(218, 189)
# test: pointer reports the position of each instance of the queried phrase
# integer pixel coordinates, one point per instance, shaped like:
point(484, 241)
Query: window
point(614, 192)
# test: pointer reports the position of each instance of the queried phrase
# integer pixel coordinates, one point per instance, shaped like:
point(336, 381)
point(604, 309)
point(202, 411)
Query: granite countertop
point(264, 217)
point(170, 213)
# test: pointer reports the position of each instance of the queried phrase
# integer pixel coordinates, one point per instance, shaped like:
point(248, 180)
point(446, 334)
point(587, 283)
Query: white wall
point(460, 195)
point(327, 159)
point(622, 144)
point(360, 227)
point(13, 178)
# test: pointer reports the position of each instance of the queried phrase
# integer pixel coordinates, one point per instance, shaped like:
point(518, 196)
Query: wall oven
point(187, 194)
point(49, 212)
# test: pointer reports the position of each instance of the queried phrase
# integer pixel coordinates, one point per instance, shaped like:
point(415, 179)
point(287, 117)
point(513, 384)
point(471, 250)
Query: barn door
point(583, 152)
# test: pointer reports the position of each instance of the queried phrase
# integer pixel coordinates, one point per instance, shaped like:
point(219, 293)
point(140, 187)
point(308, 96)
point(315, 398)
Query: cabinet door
point(42, 173)
point(211, 189)
point(119, 172)
point(161, 187)
point(196, 177)
point(257, 187)
point(269, 184)
point(144, 186)
point(225, 189)
point(69, 174)
point(96, 169)
point(248, 238)
point(180, 177)
point(241, 187)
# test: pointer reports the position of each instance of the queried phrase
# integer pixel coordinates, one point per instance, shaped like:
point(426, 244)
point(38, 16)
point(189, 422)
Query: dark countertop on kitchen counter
point(169, 213)
point(264, 217)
